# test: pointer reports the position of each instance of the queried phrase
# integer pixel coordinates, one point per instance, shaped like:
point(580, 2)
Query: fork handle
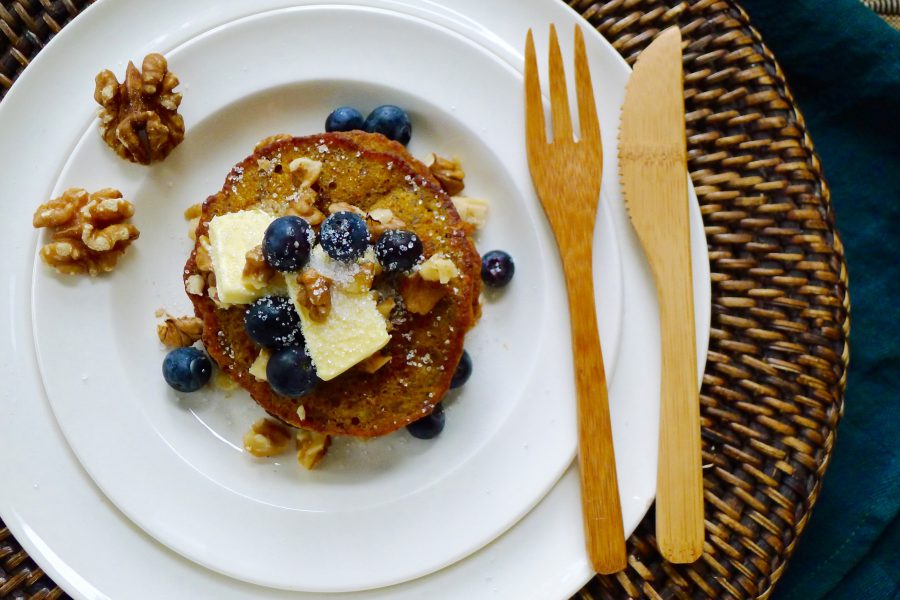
point(602, 512)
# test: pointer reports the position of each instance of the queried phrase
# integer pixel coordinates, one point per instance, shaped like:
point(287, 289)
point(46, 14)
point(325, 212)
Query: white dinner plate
point(171, 443)
point(509, 437)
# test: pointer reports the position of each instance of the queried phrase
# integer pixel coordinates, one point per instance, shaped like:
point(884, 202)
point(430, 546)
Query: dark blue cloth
point(842, 63)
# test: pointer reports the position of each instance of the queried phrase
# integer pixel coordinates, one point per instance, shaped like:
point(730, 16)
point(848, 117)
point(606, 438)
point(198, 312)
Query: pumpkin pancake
point(367, 171)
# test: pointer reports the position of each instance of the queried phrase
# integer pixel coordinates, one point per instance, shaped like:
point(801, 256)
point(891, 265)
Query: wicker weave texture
point(773, 389)
point(774, 381)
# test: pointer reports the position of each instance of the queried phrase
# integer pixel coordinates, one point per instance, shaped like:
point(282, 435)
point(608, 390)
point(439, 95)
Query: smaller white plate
point(375, 513)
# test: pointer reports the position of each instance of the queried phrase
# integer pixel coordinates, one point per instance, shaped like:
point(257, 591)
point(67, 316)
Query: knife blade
point(653, 169)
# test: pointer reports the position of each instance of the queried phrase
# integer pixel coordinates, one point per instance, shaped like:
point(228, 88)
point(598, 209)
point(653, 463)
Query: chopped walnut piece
point(139, 118)
point(471, 210)
point(386, 306)
point(267, 438)
point(265, 165)
point(305, 171)
point(311, 447)
point(202, 258)
point(314, 293)
point(278, 137)
point(438, 268)
point(382, 219)
point(257, 272)
point(449, 174)
point(258, 368)
point(363, 279)
point(374, 362)
point(178, 332)
point(303, 205)
point(195, 284)
point(421, 296)
point(89, 231)
point(336, 207)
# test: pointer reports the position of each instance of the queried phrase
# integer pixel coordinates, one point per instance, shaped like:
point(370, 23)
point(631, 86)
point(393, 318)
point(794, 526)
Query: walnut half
point(139, 118)
point(89, 231)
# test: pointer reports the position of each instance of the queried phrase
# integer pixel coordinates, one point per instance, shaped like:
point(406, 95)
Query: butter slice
point(353, 331)
point(231, 236)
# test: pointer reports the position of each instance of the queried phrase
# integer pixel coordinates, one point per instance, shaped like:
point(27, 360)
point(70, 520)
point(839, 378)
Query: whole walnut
point(89, 232)
point(139, 118)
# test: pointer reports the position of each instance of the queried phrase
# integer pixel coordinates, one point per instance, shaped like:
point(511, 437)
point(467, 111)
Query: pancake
point(368, 171)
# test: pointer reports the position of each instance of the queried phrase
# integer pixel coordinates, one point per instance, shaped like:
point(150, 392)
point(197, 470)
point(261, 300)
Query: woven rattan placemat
point(774, 381)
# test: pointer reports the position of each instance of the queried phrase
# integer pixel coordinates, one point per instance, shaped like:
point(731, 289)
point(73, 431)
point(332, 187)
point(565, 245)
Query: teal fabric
point(842, 64)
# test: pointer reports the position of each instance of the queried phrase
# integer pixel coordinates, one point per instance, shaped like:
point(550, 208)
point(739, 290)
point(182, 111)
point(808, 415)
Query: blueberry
point(186, 369)
point(398, 250)
point(291, 372)
point(273, 322)
point(428, 426)
point(497, 268)
point(390, 121)
point(287, 242)
point(345, 118)
point(344, 236)
point(463, 371)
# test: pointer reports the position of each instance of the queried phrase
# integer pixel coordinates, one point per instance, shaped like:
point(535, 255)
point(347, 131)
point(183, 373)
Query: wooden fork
point(566, 175)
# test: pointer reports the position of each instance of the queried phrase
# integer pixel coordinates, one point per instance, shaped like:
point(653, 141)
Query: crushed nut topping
point(265, 165)
point(139, 118)
point(363, 279)
point(258, 368)
point(336, 207)
point(278, 137)
point(178, 332)
point(257, 272)
point(304, 206)
point(89, 231)
point(421, 296)
point(386, 306)
point(301, 412)
point(438, 268)
point(471, 210)
point(374, 362)
point(382, 219)
point(305, 171)
point(202, 259)
point(195, 284)
point(314, 293)
point(449, 174)
point(311, 447)
point(267, 438)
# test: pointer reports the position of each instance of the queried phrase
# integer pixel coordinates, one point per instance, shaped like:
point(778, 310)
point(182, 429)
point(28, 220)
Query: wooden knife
point(653, 168)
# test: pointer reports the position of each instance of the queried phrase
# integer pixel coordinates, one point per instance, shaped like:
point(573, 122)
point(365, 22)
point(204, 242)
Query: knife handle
point(602, 512)
point(679, 489)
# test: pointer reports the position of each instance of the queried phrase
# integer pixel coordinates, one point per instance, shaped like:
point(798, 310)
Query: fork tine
point(587, 108)
point(559, 97)
point(535, 128)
